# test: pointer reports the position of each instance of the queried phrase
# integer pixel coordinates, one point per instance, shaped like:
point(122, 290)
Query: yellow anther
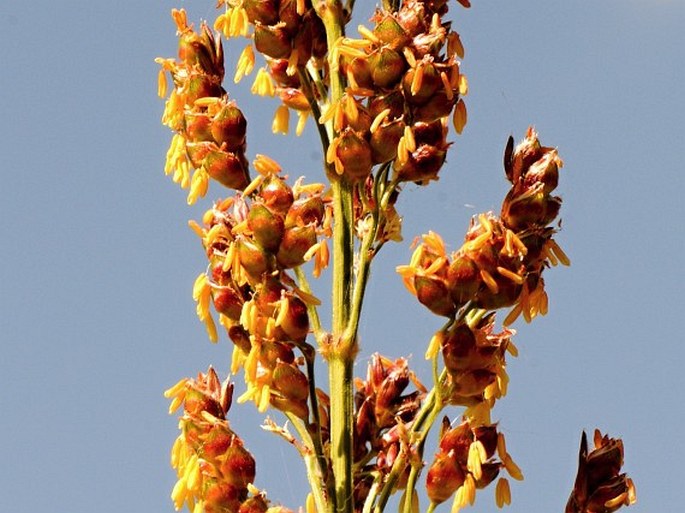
point(435, 242)
point(229, 259)
point(512, 468)
point(176, 389)
point(245, 64)
point(502, 492)
point(351, 109)
point(489, 281)
point(475, 459)
point(516, 278)
point(281, 122)
point(435, 266)
point(266, 165)
point(417, 79)
point(402, 153)
point(293, 59)
point(302, 117)
point(409, 139)
point(446, 84)
point(196, 228)
point(264, 399)
point(239, 22)
point(263, 84)
point(207, 101)
point(161, 83)
point(463, 85)
point(366, 33)
point(198, 186)
point(283, 309)
point(378, 120)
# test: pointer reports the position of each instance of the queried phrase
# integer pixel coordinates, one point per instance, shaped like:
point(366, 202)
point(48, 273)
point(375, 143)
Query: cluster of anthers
point(215, 471)
point(290, 36)
point(210, 129)
point(383, 418)
point(469, 457)
point(252, 240)
point(475, 363)
point(502, 259)
point(600, 485)
point(404, 83)
point(474, 377)
point(499, 265)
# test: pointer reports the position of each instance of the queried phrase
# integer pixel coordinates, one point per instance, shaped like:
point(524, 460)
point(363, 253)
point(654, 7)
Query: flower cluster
point(210, 129)
point(474, 359)
point(529, 209)
point(499, 265)
point(501, 261)
point(487, 270)
point(403, 83)
point(288, 34)
point(466, 461)
point(288, 30)
point(599, 486)
point(384, 414)
point(251, 241)
point(215, 471)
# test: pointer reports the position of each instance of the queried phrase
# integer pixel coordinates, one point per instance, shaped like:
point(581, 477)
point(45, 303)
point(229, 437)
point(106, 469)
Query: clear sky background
point(97, 263)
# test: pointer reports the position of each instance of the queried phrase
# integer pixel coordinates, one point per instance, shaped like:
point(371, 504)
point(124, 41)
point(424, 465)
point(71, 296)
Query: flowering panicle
point(528, 209)
point(501, 261)
point(599, 486)
point(384, 414)
point(499, 265)
point(289, 35)
point(470, 456)
point(382, 104)
point(281, 29)
point(251, 241)
point(215, 471)
point(404, 83)
point(210, 129)
point(487, 270)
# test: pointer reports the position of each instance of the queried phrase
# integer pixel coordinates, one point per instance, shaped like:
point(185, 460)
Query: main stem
point(342, 350)
point(343, 344)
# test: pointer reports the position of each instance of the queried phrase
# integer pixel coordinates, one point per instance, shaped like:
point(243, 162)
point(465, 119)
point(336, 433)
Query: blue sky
point(96, 317)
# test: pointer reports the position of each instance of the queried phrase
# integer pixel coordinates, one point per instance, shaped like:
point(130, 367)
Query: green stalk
point(342, 414)
point(312, 464)
point(308, 90)
point(313, 429)
point(366, 254)
point(342, 348)
point(364, 268)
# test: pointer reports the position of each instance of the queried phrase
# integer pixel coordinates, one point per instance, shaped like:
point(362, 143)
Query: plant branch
point(341, 350)
point(312, 311)
point(315, 475)
point(425, 418)
point(308, 90)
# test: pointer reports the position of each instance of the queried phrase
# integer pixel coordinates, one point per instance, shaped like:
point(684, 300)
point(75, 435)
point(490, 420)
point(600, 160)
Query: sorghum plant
point(384, 105)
